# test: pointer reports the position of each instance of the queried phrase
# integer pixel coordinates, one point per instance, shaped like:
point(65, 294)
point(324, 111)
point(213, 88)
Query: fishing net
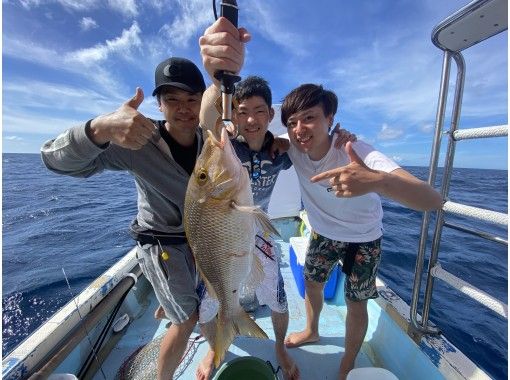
point(142, 363)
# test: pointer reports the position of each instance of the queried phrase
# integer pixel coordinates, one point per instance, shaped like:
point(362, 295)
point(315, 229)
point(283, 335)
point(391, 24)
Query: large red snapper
point(220, 222)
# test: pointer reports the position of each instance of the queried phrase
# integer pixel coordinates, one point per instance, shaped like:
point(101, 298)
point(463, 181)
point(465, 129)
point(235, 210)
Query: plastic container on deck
point(298, 247)
point(371, 373)
point(245, 368)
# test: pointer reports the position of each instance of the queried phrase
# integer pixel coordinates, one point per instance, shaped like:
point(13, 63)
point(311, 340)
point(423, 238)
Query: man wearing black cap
point(161, 156)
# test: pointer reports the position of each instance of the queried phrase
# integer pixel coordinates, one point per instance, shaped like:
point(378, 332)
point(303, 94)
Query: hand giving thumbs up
point(125, 127)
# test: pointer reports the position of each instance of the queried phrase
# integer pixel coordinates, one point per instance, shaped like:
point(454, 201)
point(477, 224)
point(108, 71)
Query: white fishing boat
point(108, 331)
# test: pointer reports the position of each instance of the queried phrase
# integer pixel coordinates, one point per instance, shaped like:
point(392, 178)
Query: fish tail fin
point(248, 327)
point(227, 330)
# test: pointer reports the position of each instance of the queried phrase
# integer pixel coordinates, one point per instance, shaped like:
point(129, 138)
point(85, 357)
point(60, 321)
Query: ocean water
point(52, 222)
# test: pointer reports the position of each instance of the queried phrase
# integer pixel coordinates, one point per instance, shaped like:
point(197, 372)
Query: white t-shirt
point(356, 219)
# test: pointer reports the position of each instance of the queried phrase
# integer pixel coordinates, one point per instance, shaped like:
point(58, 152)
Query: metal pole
point(448, 166)
point(434, 158)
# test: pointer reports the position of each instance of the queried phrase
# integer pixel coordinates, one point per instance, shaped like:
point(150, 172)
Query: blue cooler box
point(297, 253)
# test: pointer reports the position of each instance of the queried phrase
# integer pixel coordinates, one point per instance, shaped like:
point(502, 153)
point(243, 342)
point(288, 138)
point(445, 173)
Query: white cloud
point(87, 23)
point(84, 61)
point(388, 133)
point(194, 17)
point(400, 83)
point(13, 138)
point(265, 20)
point(427, 128)
point(126, 7)
point(29, 51)
point(27, 4)
point(56, 97)
point(130, 38)
point(61, 106)
point(157, 4)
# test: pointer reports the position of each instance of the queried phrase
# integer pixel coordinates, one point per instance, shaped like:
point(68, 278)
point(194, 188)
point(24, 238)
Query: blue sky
point(66, 61)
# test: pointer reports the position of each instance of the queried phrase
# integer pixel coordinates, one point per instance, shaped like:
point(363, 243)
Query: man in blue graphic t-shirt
point(252, 146)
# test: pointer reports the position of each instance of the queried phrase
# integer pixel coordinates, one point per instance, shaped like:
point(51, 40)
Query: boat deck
point(321, 358)
point(132, 352)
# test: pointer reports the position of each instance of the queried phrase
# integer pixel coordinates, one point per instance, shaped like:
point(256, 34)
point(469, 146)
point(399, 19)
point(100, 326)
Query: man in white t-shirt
point(340, 188)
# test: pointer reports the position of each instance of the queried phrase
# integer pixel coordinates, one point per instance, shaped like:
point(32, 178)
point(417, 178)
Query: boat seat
point(371, 373)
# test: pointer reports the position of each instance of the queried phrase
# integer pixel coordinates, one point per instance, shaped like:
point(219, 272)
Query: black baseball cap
point(180, 73)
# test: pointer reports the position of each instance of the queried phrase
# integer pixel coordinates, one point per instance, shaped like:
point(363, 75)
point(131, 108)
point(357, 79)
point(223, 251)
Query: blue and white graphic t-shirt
point(262, 169)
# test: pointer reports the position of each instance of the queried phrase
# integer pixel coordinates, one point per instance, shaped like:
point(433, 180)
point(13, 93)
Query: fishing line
point(83, 324)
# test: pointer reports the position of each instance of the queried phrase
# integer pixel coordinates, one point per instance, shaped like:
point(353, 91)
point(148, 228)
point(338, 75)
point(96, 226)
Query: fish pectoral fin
point(264, 223)
point(261, 219)
point(247, 209)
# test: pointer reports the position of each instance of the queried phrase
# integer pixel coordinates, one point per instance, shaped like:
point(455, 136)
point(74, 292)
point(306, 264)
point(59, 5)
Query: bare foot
point(289, 367)
point(299, 338)
point(160, 313)
point(206, 366)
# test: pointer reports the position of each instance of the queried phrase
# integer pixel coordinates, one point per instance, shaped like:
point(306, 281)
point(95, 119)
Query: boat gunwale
point(27, 356)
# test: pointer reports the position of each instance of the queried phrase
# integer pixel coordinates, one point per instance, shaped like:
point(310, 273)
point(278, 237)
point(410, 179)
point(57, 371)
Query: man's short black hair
point(307, 96)
point(253, 86)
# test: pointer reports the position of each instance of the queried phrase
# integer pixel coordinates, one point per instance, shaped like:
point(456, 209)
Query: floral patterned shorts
point(360, 262)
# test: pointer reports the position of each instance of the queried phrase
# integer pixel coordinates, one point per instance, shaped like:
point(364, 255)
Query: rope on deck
point(471, 291)
point(480, 133)
point(477, 213)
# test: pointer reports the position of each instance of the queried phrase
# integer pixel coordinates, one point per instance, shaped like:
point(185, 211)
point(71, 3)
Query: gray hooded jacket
point(160, 181)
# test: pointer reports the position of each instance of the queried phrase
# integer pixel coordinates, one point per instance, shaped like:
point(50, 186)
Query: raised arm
point(222, 49)
point(90, 148)
point(357, 179)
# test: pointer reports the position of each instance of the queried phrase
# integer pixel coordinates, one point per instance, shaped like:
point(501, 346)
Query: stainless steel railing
point(486, 17)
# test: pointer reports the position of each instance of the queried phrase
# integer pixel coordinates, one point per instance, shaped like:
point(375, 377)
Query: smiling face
point(308, 131)
point(253, 117)
point(181, 108)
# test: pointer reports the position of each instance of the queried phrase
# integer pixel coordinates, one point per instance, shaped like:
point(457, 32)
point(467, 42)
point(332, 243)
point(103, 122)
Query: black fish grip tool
point(230, 11)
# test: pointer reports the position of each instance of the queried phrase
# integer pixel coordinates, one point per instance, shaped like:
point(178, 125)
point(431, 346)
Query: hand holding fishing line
point(126, 126)
point(351, 180)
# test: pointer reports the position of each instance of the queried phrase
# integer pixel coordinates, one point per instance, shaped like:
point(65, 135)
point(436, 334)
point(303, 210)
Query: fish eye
point(202, 175)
